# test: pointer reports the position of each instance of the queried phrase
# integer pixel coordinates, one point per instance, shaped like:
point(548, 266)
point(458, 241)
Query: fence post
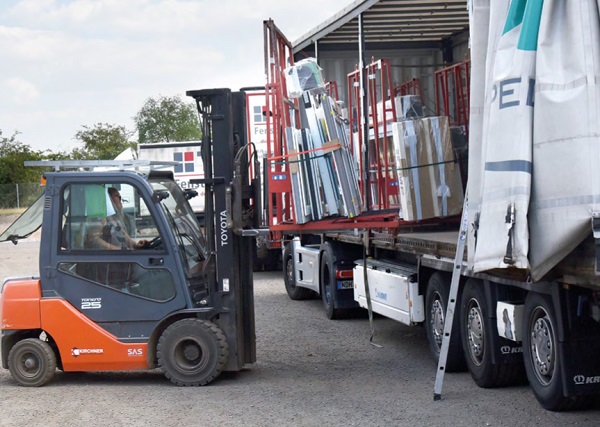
point(18, 205)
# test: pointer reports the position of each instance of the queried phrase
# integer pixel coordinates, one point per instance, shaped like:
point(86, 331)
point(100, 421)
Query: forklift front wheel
point(32, 362)
point(192, 352)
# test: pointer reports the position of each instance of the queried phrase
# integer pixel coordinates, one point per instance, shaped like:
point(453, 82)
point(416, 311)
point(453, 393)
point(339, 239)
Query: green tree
point(167, 119)
point(13, 154)
point(101, 142)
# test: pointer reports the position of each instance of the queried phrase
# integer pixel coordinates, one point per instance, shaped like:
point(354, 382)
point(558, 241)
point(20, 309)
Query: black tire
point(32, 362)
point(436, 303)
point(477, 342)
point(329, 283)
point(192, 352)
point(542, 363)
point(294, 292)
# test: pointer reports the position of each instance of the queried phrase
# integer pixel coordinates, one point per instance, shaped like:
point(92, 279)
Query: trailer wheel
point(32, 362)
point(329, 292)
point(541, 356)
point(294, 292)
point(328, 285)
point(436, 301)
point(192, 352)
point(477, 343)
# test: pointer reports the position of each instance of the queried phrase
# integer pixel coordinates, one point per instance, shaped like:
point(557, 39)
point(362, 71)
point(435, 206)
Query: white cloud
point(68, 63)
point(20, 91)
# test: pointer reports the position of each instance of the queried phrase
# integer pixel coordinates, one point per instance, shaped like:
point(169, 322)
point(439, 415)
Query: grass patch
point(12, 211)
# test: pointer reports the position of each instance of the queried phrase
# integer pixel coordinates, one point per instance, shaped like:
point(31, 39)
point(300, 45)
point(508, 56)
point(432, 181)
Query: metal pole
point(365, 107)
point(18, 204)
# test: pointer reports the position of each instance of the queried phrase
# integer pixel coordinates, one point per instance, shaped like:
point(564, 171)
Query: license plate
point(345, 284)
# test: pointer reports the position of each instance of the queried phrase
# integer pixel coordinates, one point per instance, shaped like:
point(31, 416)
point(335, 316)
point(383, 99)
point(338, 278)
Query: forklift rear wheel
point(192, 352)
point(32, 362)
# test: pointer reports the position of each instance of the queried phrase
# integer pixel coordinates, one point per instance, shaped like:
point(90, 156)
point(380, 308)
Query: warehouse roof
point(390, 24)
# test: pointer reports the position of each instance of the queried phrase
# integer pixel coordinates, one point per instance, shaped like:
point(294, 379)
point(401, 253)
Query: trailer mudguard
point(504, 351)
point(578, 342)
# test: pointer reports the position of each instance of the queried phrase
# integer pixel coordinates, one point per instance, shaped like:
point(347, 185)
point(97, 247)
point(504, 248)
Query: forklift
point(128, 278)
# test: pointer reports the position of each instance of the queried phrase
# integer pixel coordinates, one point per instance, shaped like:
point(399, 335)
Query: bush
point(19, 195)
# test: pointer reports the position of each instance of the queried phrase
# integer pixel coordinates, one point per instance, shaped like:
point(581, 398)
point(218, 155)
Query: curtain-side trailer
point(528, 304)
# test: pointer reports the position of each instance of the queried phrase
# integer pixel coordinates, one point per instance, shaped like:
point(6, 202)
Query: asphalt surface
point(310, 371)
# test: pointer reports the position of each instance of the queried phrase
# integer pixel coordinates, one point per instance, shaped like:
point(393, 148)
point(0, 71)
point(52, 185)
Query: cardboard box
point(429, 179)
point(447, 190)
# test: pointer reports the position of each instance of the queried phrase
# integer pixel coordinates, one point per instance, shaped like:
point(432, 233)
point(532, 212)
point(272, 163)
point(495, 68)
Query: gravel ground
point(310, 372)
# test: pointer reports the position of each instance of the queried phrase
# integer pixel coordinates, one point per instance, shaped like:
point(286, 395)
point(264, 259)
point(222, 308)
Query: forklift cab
point(133, 248)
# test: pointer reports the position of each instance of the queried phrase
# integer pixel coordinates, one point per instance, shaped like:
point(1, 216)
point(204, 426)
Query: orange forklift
point(128, 279)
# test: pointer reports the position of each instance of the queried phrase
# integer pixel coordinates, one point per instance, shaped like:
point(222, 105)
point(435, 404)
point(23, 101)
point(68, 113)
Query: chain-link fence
point(19, 195)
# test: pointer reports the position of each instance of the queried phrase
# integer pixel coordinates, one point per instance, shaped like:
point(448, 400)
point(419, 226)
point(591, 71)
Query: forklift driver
point(114, 231)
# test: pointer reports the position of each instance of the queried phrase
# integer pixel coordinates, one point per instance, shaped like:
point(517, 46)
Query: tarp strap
point(510, 225)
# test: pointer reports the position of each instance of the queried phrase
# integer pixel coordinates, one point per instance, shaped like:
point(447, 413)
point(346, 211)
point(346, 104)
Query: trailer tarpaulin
point(506, 160)
point(479, 24)
point(534, 152)
point(566, 143)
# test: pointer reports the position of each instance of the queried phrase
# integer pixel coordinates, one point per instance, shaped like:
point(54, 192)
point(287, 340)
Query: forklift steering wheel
point(154, 243)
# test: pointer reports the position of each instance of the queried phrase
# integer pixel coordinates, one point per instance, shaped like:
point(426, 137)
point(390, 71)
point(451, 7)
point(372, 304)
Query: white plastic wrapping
point(303, 75)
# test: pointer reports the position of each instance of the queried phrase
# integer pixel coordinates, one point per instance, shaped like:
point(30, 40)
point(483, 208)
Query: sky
point(73, 63)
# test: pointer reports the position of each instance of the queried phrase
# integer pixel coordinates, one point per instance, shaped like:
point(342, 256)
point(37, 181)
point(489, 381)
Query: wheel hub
point(437, 321)
point(542, 349)
point(191, 352)
point(30, 363)
point(475, 333)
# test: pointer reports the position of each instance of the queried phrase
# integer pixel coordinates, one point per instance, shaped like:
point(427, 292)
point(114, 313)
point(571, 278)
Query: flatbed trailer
point(524, 314)
point(408, 277)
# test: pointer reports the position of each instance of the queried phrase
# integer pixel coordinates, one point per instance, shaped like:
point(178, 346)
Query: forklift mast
point(229, 190)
